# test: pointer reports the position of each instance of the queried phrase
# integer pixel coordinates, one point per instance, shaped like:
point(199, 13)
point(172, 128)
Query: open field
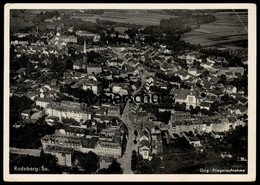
point(225, 30)
point(143, 17)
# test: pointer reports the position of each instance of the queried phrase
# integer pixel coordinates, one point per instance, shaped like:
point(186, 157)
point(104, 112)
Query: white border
point(251, 176)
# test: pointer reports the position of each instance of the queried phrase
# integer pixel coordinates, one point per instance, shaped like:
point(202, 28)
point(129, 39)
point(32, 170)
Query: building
point(144, 149)
point(108, 132)
point(96, 87)
point(187, 96)
point(230, 89)
point(26, 114)
point(239, 70)
point(144, 135)
point(69, 39)
point(61, 140)
point(108, 149)
point(93, 36)
point(64, 155)
point(67, 109)
point(80, 63)
point(94, 68)
point(113, 110)
point(74, 131)
point(179, 124)
point(42, 102)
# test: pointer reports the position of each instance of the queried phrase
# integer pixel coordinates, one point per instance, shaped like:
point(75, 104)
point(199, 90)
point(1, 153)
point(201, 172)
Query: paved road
point(130, 146)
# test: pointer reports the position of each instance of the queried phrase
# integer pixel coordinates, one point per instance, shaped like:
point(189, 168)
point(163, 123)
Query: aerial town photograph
point(128, 91)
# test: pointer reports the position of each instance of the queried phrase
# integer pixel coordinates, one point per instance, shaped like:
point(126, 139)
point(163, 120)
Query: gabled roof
point(243, 108)
point(183, 93)
point(232, 119)
point(144, 143)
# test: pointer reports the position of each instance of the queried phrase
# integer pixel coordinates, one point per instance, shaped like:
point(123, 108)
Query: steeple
point(85, 58)
point(85, 47)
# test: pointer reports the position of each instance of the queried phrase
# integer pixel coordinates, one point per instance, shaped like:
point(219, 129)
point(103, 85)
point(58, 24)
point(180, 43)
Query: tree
point(183, 106)
point(117, 33)
point(51, 162)
point(89, 162)
point(223, 79)
point(155, 163)
point(134, 161)
point(203, 95)
point(205, 74)
point(29, 135)
point(69, 64)
point(17, 105)
point(214, 106)
point(113, 168)
point(144, 167)
point(136, 133)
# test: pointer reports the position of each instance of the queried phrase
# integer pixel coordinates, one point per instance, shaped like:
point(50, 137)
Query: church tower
point(85, 58)
point(85, 47)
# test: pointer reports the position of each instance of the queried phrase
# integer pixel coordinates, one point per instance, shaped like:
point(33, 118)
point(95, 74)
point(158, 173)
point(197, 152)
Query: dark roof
point(182, 93)
point(88, 143)
point(144, 143)
point(243, 108)
point(232, 119)
point(205, 104)
point(58, 149)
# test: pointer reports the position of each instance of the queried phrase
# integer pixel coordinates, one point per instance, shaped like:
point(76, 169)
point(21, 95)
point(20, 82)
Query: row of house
point(182, 122)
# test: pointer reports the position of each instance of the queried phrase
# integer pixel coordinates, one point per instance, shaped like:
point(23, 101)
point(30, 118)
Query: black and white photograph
point(155, 92)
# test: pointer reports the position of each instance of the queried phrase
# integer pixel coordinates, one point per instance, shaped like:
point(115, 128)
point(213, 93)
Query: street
point(130, 146)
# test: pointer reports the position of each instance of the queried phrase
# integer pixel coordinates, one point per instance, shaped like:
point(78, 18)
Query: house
point(42, 102)
point(241, 110)
point(21, 35)
point(21, 72)
point(230, 89)
point(80, 64)
point(144, 149)
point(205, 105)
point(206, 65)
point(187, 96)
point(149, 81)
point(182, 74)
point(239, 70)
point(54, 82)
point(193, 71)
point(211, 59)
point(217, 135)
point(123, 35)
point(116, 87)
point(26, 114)
point(113, 110)
point(69, 39)
point(226, 155)
point(144, 135)
point(94, 68)
point(96, 87)
point(32, 95)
